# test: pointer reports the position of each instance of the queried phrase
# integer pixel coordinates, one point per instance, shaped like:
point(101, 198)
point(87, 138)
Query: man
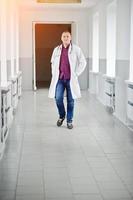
point(67, 63)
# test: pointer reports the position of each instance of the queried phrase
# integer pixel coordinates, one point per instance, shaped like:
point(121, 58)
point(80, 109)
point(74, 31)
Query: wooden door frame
point(74, 38)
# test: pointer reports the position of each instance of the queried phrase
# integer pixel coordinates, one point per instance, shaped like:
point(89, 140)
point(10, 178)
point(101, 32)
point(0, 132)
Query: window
point(3, 54)
point(95, 45)
point(111, 39)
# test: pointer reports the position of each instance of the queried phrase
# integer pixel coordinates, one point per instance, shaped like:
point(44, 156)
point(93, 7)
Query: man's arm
point(81, 63)
point(52, 60)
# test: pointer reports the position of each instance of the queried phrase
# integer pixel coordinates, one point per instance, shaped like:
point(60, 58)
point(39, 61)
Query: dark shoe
point(69, 125)
point(60, 121)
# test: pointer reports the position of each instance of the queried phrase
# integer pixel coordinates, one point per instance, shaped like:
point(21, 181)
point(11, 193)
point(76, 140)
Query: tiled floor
point(94, 161)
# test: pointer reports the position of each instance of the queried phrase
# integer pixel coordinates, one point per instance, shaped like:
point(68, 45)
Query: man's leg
point(59, 97)
point(70, 105)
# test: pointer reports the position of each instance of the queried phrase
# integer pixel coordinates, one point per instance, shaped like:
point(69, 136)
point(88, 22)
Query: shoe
point(69, 125)
point(60, 121)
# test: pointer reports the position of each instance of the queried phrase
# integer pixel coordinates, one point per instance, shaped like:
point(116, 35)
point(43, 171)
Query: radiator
point(19, 84)
point(130, 102)
point(6, 110)
point(109, 91)
point(14, 93)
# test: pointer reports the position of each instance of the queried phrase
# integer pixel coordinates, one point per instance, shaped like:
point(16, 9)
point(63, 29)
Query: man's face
point(66, 38)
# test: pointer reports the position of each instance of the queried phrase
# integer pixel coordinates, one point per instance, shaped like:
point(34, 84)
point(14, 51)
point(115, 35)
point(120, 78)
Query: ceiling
point(83, 4)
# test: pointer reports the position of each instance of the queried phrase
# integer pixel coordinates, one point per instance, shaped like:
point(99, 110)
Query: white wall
point(131, 46)
point(122, 56)
point(111, 38)
point(8, 39)
point(101, 9)
point(123, 29)
point(122, 52)
point(27, 16)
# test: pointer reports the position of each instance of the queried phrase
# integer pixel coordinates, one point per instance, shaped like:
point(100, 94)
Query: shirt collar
point(65, 47)
point(69, 47)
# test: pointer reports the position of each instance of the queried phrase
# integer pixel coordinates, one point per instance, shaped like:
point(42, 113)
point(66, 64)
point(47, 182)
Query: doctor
point(67, 63)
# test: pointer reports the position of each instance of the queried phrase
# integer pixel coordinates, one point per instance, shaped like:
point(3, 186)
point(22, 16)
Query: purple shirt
point(64, 64)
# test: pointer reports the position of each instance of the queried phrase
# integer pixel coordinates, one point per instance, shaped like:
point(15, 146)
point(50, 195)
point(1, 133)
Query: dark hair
point(66, 31)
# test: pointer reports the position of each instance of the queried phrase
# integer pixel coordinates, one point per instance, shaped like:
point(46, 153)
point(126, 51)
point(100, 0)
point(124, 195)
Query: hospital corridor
point(41, 156)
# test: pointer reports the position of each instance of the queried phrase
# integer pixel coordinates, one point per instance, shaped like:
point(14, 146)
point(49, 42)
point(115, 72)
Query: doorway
point(47, 37)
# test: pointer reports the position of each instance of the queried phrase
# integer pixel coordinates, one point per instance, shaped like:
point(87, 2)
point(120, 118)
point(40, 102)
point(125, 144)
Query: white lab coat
point(77, 65)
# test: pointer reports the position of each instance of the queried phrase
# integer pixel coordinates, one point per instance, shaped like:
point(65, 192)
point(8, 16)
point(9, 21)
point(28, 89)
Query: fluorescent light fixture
point(59, 1)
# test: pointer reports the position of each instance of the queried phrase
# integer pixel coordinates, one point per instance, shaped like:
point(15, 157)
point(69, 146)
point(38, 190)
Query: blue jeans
point(59, 97)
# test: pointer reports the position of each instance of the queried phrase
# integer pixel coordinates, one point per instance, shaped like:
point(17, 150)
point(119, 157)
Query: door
point(47, 37)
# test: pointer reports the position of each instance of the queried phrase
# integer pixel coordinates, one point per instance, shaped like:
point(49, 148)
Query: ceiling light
point(59, 1)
